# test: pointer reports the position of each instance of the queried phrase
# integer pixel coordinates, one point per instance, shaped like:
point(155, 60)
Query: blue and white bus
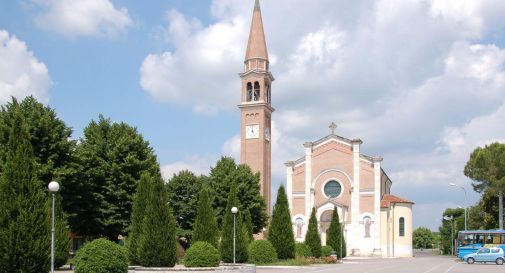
point(469, 241)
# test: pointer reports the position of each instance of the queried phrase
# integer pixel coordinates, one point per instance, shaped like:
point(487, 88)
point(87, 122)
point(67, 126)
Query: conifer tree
point(227, 239)
point(157, 245)
point(24, 215)
point(62, 240)
point(280, 233)
point(248, 226)
point(334, 236)
point(313, 239)
point(205, 223)
point(138, 213)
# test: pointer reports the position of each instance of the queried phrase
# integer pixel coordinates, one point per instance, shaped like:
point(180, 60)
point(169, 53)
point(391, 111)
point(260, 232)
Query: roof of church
point(389, 199)
point(257, 46)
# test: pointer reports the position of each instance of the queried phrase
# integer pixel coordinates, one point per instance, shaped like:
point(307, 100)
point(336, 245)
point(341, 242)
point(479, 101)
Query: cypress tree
point(205, 222)
point(137, 218)
point(227, 239)
point(248, 226)
point(281, 232)
point(62, 235)
point(334, 236)
point(313, 239)
point(24, 215)
point(157, 245)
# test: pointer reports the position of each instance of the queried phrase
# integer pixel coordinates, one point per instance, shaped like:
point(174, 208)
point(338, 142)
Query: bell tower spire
point(255, 106)
point(256, 56)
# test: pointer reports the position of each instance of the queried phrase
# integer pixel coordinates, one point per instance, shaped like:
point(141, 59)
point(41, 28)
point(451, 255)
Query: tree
point(280, 233)
point(183, 189)
point(24, 214)
point(48, 135)
point(227, 234)
point(422, 238)
point(226, 173)
point(450, 228)
point(137, 218)
point(313, 239)
point(205, 223)
point(484, 215)
point(99, 185)
point(157, 245)
point(486, 167)
point(248, 225)
point(334, 235)
point(62, 240)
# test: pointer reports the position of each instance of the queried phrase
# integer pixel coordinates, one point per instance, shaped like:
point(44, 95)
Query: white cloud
point(199, 165)
point(21, 74)
point(418, 81)
point(82, 18)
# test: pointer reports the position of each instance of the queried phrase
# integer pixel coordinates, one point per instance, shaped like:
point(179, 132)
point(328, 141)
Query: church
point(331, 173)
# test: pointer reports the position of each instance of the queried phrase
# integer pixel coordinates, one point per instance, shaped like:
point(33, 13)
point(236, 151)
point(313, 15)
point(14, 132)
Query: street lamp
point(54, 187)
point(234, 211)
point(466, 201)
point(450, 218)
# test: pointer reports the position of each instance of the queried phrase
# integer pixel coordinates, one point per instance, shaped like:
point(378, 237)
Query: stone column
point(308, 179)
point(355, 210)
point(377, 206)
point(289, 183)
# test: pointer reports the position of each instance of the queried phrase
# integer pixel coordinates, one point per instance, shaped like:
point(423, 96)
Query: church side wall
point(299, 179)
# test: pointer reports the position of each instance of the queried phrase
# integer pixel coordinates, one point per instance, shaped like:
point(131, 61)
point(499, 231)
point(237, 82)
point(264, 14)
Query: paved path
point(419, 264)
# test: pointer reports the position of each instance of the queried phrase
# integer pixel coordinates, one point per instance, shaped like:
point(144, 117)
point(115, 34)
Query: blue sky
point(422, 83)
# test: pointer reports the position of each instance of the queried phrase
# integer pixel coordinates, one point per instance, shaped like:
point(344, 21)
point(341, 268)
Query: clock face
point(252, 131)
point(267, 134)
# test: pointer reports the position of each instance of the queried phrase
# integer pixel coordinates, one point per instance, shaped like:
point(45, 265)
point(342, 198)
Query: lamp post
point(466, 201)
point(452, 233)
point(234, 211)
point(54, 187)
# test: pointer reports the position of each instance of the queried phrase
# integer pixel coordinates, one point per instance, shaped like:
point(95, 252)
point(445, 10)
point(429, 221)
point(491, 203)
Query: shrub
point(101, 256)
point(326, 251)
point(262, 252)
point(202, 254)
point(303, 250)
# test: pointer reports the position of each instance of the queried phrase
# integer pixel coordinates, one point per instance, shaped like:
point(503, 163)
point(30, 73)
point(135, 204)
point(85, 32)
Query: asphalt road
point(422, 263)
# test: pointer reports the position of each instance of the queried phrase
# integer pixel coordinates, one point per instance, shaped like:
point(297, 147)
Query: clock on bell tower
point(255, 107)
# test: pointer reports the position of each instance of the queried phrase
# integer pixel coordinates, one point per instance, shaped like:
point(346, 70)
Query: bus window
point(489, 239)
point(479, 239)
point(496, 239)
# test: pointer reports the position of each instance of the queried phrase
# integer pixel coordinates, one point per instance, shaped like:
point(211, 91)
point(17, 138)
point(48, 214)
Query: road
point(422, 263)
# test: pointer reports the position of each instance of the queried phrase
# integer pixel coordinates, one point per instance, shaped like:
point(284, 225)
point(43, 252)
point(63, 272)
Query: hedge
point(202, 254)
point(262, 252)
point(101, 256)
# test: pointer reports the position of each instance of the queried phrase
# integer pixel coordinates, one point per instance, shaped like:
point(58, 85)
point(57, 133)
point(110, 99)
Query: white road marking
point(450, 268)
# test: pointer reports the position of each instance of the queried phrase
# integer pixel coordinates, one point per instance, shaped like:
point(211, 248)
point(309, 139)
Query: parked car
point(494, 254)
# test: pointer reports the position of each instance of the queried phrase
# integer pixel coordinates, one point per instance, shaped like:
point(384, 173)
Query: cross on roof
point(332, 127)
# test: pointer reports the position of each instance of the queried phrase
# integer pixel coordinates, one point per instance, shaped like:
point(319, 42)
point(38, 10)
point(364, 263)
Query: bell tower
point(255, 107)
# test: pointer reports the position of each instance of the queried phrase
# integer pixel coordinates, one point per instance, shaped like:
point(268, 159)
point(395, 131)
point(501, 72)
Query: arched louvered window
point(249, 91)
point(256, 91)
point(402, 226)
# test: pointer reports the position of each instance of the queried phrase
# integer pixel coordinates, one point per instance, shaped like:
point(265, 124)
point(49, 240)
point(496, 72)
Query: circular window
point(332, 189)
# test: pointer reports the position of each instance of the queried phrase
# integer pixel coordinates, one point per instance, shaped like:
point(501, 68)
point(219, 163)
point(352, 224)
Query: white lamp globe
point(54, 186)
point(234, 210)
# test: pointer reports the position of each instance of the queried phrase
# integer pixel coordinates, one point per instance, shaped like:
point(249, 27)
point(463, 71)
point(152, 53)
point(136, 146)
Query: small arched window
point(249, 91)
point(402, 226)
point(256, 91)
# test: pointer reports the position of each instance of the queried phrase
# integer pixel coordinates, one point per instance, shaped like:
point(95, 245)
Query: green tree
point(486, 167)
point(226, 173)
point(137, 218)
point(99, 185)
point(313, 239)
point(248, 225)
point(157, 245)
point(484, 215)
point(280, 233)
point(422, 238)
point(62, 240)
point(205, 223)
point(334, 235)
point(227, 234)
point(450, 228)
point(24, 214)
point(48, 135)
point(183, 189)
